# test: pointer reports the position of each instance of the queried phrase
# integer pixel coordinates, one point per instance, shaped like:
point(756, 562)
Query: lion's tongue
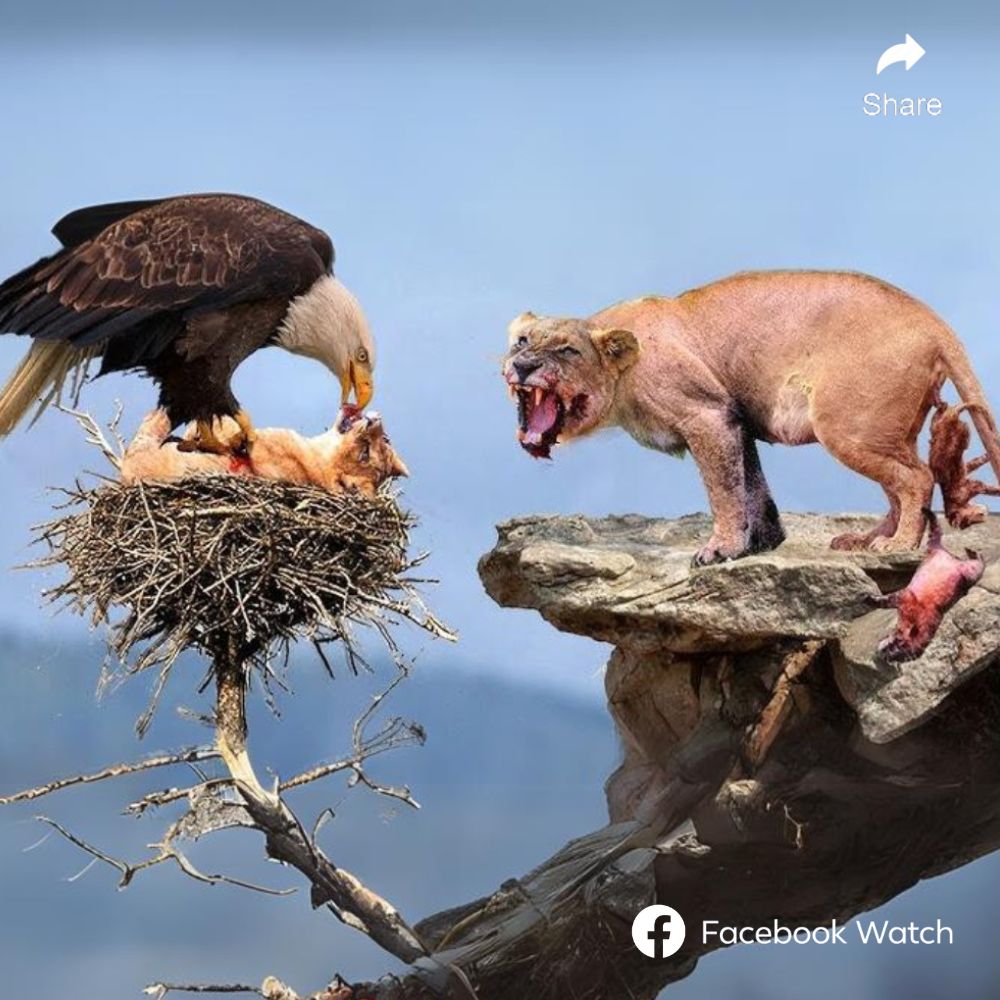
point(541, 419)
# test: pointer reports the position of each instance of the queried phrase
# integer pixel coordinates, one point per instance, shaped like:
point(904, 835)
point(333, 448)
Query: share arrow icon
point(909, 52)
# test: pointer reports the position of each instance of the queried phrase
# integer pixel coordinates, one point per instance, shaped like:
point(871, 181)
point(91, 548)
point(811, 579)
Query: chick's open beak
point(357, 378)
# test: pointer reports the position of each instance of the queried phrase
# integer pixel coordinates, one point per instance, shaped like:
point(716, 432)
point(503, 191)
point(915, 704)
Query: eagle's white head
point(326, 323)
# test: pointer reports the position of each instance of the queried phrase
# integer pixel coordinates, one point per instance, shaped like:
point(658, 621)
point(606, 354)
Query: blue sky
point(471, 165)
point(471, 161)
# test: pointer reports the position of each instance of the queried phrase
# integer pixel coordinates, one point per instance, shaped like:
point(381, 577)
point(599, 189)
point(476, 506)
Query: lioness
point(355, 454)
point(780, 356)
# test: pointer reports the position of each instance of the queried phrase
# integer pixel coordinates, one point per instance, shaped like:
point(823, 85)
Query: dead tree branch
point(287, 840)
point(168, 851)
point(114, 449)
point(159, 990)
point(191, 756)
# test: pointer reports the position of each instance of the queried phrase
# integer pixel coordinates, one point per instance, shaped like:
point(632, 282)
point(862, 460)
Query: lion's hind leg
point(871, 424)
point(886, 528)
point(903, 477)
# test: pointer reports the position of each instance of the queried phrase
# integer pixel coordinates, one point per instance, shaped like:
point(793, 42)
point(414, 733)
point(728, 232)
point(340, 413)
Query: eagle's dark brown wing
point(85, 223)
point(178, 257)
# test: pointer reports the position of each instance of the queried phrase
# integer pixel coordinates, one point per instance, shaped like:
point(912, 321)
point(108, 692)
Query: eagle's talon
point(242, 444)
point(239, 446)
point(205, 440)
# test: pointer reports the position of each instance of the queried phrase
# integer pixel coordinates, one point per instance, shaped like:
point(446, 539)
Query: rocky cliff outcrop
point(773, 768)
point(628, 581)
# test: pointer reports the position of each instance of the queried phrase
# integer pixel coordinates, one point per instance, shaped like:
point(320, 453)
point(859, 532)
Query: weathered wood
point(286, 839)
point(750, 790)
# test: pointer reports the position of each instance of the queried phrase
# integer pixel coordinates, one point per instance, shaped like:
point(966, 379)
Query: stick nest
point(235, 567)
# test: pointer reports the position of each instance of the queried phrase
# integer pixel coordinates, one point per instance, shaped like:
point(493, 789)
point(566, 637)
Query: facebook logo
point(658, 931)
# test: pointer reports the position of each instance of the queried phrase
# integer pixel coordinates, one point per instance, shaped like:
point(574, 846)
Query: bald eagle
point(184, 289)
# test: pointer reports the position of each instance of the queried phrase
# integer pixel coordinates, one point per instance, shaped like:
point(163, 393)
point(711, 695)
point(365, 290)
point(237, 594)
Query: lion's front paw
point(717, 551)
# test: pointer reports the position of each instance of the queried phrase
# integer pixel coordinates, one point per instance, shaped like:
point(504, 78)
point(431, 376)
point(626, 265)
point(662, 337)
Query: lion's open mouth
point(540, 415)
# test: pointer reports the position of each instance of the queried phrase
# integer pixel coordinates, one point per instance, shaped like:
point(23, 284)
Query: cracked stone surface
point(627, 580)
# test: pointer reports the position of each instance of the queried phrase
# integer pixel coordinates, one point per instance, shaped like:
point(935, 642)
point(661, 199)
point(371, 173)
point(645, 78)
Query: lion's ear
point(521, 323)
point(619, 347)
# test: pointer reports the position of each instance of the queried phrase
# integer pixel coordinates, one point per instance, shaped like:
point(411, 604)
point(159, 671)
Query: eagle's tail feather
point(40, 378)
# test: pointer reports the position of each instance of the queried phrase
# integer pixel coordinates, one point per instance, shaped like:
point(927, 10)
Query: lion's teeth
point(538, 395)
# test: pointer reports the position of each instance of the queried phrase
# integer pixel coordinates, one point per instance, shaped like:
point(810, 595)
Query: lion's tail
point(39, 379)
point(959, 370)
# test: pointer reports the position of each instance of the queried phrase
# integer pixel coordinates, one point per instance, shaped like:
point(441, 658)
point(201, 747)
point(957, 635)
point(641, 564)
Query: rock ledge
point(628, 580)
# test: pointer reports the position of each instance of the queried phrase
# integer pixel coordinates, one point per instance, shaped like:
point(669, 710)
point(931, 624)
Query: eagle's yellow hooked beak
point(357, 378)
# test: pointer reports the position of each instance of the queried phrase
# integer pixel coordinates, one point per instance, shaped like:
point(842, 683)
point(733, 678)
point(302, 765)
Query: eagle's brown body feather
point(183, 288)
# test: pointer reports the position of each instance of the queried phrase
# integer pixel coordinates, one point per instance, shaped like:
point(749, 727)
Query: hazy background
point(470, 160)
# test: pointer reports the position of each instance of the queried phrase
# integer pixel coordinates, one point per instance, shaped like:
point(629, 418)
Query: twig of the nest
point(216, 560)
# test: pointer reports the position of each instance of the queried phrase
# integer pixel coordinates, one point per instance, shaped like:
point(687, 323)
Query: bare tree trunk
point(287, 840)
point(773, 769)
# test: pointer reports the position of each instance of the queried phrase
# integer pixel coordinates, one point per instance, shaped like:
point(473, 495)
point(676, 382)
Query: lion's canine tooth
point(538, 395)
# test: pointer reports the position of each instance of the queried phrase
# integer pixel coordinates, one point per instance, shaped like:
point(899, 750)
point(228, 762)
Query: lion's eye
point(362, 355)
point(569, 352)
point(364, 453)
point(521, 341)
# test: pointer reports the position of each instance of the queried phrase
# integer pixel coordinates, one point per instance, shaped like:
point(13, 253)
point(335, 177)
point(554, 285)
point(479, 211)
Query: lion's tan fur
point(790, 357)
point(360, 458)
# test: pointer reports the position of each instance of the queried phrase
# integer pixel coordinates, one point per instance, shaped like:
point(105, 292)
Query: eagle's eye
point(362, 355)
